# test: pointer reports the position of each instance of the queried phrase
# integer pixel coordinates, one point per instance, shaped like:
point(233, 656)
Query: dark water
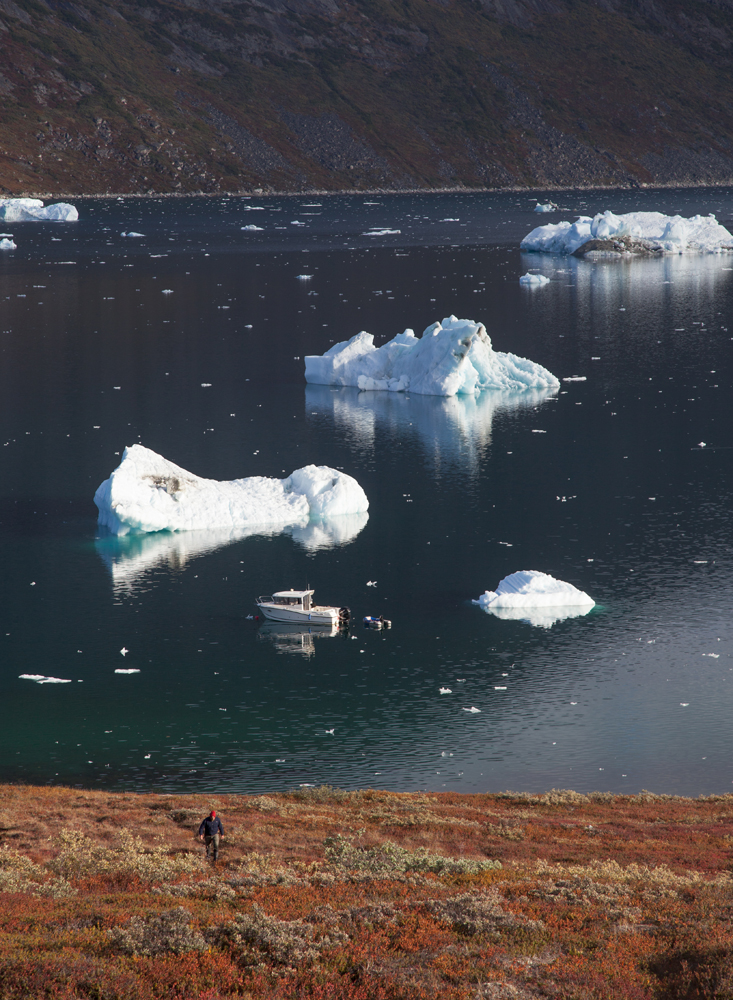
point(616, 496)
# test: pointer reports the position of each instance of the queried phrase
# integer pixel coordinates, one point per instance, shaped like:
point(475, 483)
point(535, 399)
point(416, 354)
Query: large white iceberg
point(451, 357)
point(146, 492)
point(535, 597)
point(665, 233)
point(33, 210)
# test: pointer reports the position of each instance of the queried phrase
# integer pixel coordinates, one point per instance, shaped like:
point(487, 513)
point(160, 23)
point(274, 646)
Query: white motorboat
point(297, 606)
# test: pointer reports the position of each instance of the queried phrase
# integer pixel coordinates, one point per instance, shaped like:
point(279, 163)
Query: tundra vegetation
point(365, 895)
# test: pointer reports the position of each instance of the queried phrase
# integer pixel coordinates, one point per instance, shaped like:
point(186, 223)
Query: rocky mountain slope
point(240, 95)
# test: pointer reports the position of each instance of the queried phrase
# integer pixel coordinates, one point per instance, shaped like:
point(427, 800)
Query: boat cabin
point(295, 598)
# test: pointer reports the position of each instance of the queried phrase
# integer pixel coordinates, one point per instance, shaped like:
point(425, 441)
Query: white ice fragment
point(41, 679)
point(445, 691)
point(303, 277)
point(257, 229)
point(6, 244)
point(520, 595)
point(382, 232)
point(499, 687)
point(473, 710)
point(575, 378)
point(452, 357)
point(124, 651)
point(146, 492)
point(206, 385)
point(32, 210)
point(167, 291)
point(669, 234)
point(534, 280)
point(684, 704)
point(537, 431)
point(371, 583)
point(715, 656)
point(130, 670)
point(134, 235)
point(549, 206)
point(701, 444)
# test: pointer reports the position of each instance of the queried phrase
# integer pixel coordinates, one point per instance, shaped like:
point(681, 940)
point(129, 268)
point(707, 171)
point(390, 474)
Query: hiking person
point(210, 831)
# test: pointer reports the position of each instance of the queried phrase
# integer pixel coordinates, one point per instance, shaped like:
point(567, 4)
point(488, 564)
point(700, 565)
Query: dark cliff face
point(230, 95)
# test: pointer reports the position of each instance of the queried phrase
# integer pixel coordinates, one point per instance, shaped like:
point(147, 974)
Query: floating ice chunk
point(135, 235)
point(383, 232)
point(670, 234)
point(450, 358)
point(146, 492)
point(445, 691)
point(535, 597)
point(41, 679)
point(534, 280)
point(32, 210)
point(473, 710)
point(129, 670)
point(253, 229)
point(167, 291)
point(549, 206)
point(371, 583)
point(575, 378)
point(8, 244)
point(303, 277)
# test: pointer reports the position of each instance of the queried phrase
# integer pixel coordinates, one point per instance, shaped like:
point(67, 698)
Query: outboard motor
point(344, 616)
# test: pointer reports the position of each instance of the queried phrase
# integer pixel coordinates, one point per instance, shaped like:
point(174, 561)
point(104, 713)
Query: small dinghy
point(371, 622)
point(297, 606)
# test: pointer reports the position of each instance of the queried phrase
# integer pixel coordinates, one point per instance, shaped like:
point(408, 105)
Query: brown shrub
point(169, 932)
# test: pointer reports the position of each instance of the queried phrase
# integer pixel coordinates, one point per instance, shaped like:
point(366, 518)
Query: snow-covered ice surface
point(534, 280)
point(453, 357)
point(7, 244)
point(668, 233)
point(146, 492)
point(535, 597)
point(33, 210)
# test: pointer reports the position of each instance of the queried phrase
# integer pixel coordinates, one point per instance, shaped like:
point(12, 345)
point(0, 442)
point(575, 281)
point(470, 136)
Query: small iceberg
point(534, 280)
point(42, 679)
point(146, 492)
point(452, 357)
point(536, 597)
point(7, 244)
point(32, 210)
point(632, 233)
point(549, 206)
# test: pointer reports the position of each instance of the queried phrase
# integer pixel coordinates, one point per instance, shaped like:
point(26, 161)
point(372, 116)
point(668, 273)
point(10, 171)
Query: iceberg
point(536, 597)
point(146, 492)
point(549, 206)
point(634, 232)
point(452, 357)
point(534, 280)
point(32, 210)
point(7, 244)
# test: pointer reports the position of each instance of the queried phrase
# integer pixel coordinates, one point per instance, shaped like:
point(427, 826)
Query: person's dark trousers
point(209, 840)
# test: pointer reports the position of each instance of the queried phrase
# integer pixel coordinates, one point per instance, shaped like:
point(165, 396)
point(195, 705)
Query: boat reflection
point(453, 430)
point(130, 558)
point(296, 638)
point(539, 617)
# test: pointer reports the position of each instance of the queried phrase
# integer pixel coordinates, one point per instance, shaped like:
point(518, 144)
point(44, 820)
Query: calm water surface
point(603, 484)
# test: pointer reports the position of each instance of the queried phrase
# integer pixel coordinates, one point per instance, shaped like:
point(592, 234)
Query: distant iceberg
point(548, 206)
point(634, 231)
point(534, 280)
point(450, 358)
point(146, 492)
point(7, 244)
point(535, 597)
point(32, 210)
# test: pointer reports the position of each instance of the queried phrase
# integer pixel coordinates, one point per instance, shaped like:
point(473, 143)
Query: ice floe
point(33, 210)
point(548, 206)
point(146, 492)
point(535, 597)
point(7, 244)
point(134, 235)
point(453, 357)
point(534, 280)
point(42, 679)
point(652, 231)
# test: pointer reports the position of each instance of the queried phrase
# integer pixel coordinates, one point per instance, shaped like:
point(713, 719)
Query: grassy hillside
point(216, 95)
point(365, 896)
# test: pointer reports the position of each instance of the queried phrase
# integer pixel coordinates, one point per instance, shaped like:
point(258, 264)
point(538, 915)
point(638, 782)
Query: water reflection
point(294, 638)
point(539, 617)
point(453, 430)
point(131, 557)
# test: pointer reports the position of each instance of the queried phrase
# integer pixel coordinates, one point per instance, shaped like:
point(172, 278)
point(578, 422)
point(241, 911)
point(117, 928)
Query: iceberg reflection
point(130, 557)
point(453, 429)
point(295, 638)
point(539, 617)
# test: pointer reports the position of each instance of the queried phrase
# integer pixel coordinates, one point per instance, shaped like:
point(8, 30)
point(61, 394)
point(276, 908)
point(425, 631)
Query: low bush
point(168, 932)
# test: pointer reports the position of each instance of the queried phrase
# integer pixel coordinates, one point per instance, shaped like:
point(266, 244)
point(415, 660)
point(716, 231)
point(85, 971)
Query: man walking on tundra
point(210, 831)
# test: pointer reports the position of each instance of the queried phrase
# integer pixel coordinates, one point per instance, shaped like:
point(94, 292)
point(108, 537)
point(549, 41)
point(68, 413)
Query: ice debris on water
point(303, 277)
point(134, 235)
point(445, 691)
point(146, 492)
point(129, 670)
point(661, 233)
point(253, 229)
point(32, 210)
point(371, 583)
point(473, 710)
point(535, 597)
point(534, 280)
point(452, 357)
point(41, 679)
point(548, 206)
point(8, 244)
